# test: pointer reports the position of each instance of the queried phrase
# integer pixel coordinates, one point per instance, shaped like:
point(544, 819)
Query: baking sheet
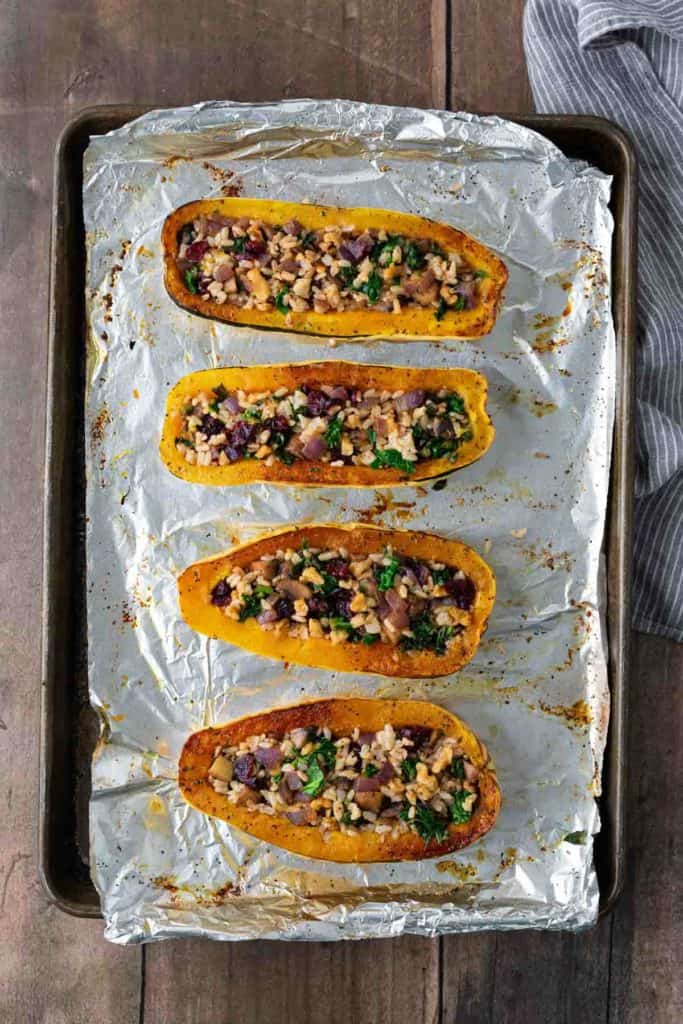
point(534, 506)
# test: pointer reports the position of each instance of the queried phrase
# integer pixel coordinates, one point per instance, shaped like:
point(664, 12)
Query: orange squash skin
point(197, 581)
point(341, 715)
point(470, 385)
point(413, 322)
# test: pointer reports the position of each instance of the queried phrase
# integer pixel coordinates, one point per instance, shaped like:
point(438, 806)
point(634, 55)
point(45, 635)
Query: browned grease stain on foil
point(577, 716)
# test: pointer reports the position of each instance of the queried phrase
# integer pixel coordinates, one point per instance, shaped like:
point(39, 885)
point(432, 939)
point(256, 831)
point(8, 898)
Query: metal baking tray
point(69, 726)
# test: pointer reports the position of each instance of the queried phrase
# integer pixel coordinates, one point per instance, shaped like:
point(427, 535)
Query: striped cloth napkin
point(624, 60)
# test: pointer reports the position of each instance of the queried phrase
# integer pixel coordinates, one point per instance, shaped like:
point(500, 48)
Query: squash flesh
point(412, 322)
point(470, 385)
point(341, 715)
point(196, 583)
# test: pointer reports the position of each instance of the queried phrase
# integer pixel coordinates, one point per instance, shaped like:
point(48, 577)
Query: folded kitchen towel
point(624, 60)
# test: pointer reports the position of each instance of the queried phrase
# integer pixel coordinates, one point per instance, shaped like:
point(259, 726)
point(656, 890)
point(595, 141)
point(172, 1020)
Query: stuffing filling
point(285, 267)
point(345, 598)
point(390, 782)
point(333, 424)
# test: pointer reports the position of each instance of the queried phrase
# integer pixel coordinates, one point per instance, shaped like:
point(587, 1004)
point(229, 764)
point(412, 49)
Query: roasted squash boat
point(330, 270)
point(350, 598)
point(324, 423)
point(346, 780)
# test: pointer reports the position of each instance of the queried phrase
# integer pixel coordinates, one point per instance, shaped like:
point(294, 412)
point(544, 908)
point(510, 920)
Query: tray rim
point(616, 545)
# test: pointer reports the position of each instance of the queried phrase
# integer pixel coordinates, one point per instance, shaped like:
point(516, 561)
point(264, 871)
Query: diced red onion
point(293, 227)
point(410, 400)
point(366, 738)
point(231, 403)
point(366, 784)
point(293, 781)
point(267, 615)
point(223, 272)
point(300, 816)
point(269, 757)
point(314, 447)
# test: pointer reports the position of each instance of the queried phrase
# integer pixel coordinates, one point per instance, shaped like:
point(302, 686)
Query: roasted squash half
point(204, 594)
point(468, 384)
point(341, 716)
point(413, 321)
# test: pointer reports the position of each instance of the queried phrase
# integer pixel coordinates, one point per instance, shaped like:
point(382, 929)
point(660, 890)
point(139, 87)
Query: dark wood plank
point(647, 945)
point(488, 70)
point(383, 982)
point(52, 968)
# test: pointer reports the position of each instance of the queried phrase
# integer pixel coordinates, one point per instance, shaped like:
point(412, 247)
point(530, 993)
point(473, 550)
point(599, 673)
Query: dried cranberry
point(340, 601)
point(338, 568)
point(317, 606)
point(212, 425)
point(278, 423)
point(419, 734)
point(462, 590)
point(245, 769)
point(254, 247)
point(195, 251)
point(238, 438)
point(221, 594)
point(284, 608)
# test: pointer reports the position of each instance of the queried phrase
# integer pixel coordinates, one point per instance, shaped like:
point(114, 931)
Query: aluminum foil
point(534, 506)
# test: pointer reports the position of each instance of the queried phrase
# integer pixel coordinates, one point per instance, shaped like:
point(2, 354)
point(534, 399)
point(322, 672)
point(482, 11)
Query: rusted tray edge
point(78, 896)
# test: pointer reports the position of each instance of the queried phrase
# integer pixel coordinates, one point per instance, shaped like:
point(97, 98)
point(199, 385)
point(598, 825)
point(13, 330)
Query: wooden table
point(59, 57)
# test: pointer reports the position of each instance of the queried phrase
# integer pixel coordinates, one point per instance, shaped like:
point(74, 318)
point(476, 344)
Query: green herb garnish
point(458, 768)
point(373, 287)
point(307, 239)
point(370, 770)
point(454, 403)
point(576, 838)
point(183, 440)
point(370, 638)
point(239, 244)
point(459, 815)
point(220, 393)
point(332, 435)
point(440, 576)
point(481, 273)
point(427, 636)
point(261, 590)
point(316, 779)
point(389, 458)
point(460, 303)
point(441, 309)
point(426, 823)
point(192, 279)
point(388, 574)
point(252, 414)
point(280, 303)
point(409, 769)
point(414, 256)
point(251, 606)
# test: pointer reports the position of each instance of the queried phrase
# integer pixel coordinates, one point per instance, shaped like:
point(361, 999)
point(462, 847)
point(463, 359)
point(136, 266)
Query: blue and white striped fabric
point(624, 60)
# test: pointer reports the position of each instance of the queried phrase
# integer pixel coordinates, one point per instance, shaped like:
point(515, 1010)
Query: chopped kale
point(427, 636)
point(333, 433)
point(409, 769)
point(458, 768)
point(280, 303)
point(459, 815)
point(192, 279)
point(441, 309)
point(427, 823)
point(388, 574)
point(460, 303)
point(251, 607)
point(370, 770)
point(414, 257)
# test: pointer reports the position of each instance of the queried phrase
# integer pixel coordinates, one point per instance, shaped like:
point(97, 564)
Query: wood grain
point(382, 982)
point(488, 70)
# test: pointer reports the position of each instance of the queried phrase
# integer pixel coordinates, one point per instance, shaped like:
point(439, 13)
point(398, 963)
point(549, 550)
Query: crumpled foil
point(534, 506)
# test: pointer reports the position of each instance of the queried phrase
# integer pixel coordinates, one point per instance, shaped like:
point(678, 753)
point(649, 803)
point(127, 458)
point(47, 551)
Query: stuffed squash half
point(346, 779)
point(330, 270)
point(347, 598)
point(324, 423)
